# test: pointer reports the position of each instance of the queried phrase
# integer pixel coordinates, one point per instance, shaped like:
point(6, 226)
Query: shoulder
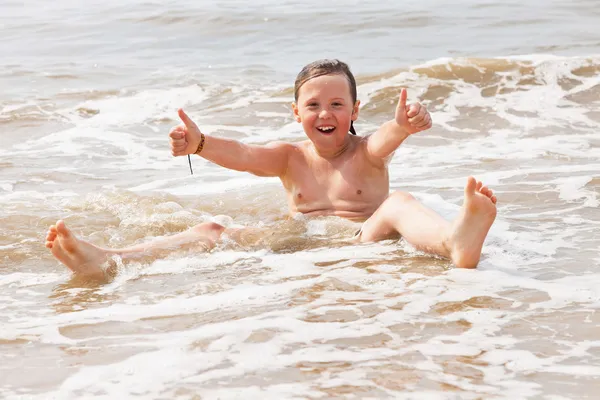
point(289, 152)
point(280, 147)
point(364, 150)
point(300, 148)
point(361, 141)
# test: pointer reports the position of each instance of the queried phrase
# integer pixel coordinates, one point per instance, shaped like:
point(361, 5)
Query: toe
point(49, 244)
point(471, 185)
point(479, 185)
point(494, 199)
point(62, 229)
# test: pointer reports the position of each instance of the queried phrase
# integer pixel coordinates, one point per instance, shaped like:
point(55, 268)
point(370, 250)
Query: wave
point(527, 91)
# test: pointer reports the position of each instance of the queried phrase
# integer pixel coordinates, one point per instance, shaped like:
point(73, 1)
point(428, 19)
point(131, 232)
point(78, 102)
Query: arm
point(268, 160)
point(407, 121)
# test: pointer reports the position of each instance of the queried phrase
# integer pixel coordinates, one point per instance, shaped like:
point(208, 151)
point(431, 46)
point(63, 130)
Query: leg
point(87, 259)
point(461, 240)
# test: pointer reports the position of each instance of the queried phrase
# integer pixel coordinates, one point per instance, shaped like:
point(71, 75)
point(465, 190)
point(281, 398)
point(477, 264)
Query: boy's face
point(325, 110)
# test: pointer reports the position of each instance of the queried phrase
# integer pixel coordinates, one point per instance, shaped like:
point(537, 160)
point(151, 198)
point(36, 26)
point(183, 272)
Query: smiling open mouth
point(326, 129)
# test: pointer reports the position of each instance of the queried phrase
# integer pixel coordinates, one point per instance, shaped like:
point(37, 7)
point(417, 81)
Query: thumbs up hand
point(184, 138)
point(412, 118)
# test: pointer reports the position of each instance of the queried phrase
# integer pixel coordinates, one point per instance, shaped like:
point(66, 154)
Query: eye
point(312, 105)
point(337, 104)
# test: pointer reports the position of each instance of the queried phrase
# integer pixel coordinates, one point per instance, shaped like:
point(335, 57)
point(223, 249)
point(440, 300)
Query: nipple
point(299, 195)
point(359, 191)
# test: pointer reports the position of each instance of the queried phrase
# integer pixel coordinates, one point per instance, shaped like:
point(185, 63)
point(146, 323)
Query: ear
point(296, 113)
point(355, 110)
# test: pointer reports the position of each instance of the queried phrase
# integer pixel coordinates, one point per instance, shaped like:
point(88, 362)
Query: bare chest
point(347, 184)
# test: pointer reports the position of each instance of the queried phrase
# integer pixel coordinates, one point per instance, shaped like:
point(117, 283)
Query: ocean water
point(89, 93)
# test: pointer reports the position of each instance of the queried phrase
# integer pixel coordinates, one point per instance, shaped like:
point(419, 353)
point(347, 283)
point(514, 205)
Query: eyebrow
point(312, 99)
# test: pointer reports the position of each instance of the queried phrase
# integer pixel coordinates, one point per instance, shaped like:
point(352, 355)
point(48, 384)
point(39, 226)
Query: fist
point(184, 138)
point(412, 118)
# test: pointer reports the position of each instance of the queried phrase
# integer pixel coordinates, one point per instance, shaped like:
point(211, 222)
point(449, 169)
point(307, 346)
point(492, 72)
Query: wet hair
point(326, 67)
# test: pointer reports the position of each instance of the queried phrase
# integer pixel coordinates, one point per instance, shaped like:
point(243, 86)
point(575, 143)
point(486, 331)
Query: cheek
point(344, 116)
point(309, 117)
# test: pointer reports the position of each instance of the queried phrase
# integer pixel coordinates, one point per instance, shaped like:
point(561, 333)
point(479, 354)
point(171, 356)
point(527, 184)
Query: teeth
point(326, 128)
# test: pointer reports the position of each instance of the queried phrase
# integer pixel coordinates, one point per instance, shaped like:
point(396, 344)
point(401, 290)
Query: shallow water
point(88, 96)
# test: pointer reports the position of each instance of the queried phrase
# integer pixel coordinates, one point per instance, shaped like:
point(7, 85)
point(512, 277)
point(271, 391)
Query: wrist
point(201, 145)
point(398, 129)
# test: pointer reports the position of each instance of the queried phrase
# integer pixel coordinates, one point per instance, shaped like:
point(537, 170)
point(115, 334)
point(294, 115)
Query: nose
point(324, 113)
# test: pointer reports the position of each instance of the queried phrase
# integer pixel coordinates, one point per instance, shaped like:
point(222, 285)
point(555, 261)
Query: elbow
point(244, 159)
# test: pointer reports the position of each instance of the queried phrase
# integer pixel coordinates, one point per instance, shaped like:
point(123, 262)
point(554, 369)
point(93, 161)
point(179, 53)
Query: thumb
point(185, 119)
point(402, 101)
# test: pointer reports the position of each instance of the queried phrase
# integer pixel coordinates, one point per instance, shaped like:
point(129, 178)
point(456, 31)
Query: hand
point(184, 138)
point(412, 118)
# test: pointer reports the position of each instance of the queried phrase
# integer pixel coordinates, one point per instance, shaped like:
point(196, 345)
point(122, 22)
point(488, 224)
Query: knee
point(400, 197)
point(209, 229)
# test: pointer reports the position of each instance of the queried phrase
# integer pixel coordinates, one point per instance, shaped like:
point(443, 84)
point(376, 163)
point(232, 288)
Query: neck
point(334, 153)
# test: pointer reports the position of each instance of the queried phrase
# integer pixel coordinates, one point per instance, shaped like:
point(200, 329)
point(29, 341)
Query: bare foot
point(470, 228)
point(79, 256)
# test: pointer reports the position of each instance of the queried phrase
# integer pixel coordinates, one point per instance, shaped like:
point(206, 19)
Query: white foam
point(24, 279)
point(571, 189)
point(7, 186)
point(354, 311)
point(140, 107)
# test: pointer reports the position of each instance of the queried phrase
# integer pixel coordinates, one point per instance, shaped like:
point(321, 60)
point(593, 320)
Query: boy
point(333, 173)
